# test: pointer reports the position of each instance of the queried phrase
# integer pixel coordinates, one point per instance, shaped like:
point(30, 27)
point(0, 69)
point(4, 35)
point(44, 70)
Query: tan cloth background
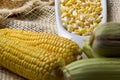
point(113, 10)
point(43, 20)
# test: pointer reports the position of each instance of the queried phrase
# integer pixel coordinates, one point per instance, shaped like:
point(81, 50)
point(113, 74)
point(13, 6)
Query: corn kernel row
point(80, 16)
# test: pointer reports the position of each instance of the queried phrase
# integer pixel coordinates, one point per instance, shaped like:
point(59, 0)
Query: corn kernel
point(69, 28)
point(74, 13)
point(84, 4)
point(98, 20)
point(64, 24)
point(89, 30)
point(77, 21)
point(68, 3)
point(87, 23)
point(98, 4)
point(83, 0)
point(82, 17)
point(75, 25)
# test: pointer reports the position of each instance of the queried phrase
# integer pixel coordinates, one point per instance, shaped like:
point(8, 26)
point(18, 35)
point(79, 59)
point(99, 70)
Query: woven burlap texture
point(42, 19)
point(39, 20)
point(113, 10)
point(13, 7)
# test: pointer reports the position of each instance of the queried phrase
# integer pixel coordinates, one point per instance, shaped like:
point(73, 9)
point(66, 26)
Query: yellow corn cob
point(62, 47)
point(28, 61)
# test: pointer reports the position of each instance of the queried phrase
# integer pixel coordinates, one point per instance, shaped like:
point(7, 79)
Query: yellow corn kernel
point(87, 23)
point(86, 11)
point(95, 25)
point(91, 4)
point(82, 24)
point(98, 4)
point(78, 4)
point(98, 20)
point(98, 10)
point(52, 43)
point(81, 7)
point(70, 28)
point(80, 31)
point(82, 0)
point(71, 22)
point(72, 1)
point(68, 3)
point(74, 13)
point(30, 62)
point(93, 15)
point(89, 30)
point(70, 10)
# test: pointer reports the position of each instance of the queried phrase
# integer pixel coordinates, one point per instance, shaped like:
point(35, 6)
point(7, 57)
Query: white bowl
point(76, 38)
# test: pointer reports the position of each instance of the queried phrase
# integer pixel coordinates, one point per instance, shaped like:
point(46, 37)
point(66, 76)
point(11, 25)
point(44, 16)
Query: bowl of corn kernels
point(77, 19)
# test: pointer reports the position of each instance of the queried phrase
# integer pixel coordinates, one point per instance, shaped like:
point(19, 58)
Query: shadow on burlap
point(42, 19)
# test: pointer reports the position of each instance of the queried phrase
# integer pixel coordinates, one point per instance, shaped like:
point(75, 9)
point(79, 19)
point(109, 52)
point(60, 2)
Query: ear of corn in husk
point(105, 41)
point(93, 69)
point(30, 62)
point(60, 46)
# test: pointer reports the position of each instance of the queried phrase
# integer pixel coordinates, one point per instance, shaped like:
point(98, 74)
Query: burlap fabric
point(113, 10)
point(42, 19)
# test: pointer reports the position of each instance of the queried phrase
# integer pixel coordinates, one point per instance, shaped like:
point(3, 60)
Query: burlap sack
point(42, 19)
point(13, 7)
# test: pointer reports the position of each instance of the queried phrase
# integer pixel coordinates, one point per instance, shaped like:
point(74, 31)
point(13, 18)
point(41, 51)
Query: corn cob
point(105, 41)
point(62, 47)
point(93, 69)
point(28, 61)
